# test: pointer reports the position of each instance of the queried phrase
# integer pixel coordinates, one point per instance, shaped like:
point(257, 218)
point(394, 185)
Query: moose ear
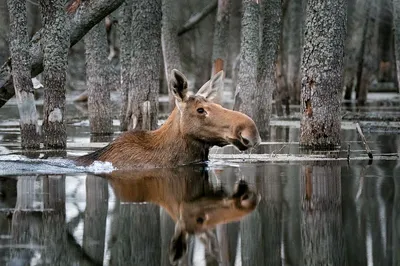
point(210, 89)
point(178, 85)
point(178, 245)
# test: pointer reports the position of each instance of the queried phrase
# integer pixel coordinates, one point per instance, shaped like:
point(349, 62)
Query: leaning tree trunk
point(98, 71)
point(142, 107)
point(21, 74)
point(322, 73)
point(170, 42)
point(55, 61)
point(396, 24)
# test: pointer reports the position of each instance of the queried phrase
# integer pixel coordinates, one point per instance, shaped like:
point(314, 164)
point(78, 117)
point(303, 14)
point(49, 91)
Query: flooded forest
point(192, 132)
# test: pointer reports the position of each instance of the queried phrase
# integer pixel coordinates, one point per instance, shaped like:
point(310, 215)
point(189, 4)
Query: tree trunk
point(396, 24)
point(294, 49)
point(98, 70)
point(322, 73)
point(125, 56)
point(55, 62)
point(249, 52)
point(81, 22)
point(144, 76)
point(170, 42)
point(234, 37)
point(353, 47)
point(220, 39)
point(385, 41)
point(21, 75)
point(370, 61)
point(4, 31)
point(257, 65)
point(203, 48)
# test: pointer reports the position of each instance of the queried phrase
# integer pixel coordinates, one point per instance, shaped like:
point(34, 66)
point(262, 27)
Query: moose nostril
point(245, 141)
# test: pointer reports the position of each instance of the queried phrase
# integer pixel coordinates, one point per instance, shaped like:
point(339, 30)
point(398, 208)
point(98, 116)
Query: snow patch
point(55, 115)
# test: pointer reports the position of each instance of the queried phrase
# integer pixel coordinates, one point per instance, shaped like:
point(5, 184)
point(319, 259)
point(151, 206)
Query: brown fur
point(188, 197)
point(185, 137)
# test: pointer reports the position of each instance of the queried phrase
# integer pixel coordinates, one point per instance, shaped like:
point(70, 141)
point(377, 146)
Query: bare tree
point(21, 74)
point(4, 31)
point(247, 76)
point(258, 61)
point(219, 52)
point(81, 21)
point(369, 64)
point(396, 24)
point(357, 18)
point(170, 42)
point(97, 79)
point(55, 62)
point(144, 66)
point(322, 73)
point(294, 49)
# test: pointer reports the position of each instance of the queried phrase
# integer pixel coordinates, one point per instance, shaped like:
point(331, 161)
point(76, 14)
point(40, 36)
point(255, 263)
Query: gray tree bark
point(257, 65)
point(249, 51)
point(145, 63)
point(370, 63)
point(294, 49)
point(81, 22)
point(170, 42)
point(21, 76)
point(385, 41)
point(358, 15)
point(234, 37)
point(125, 56)
point(98, 71)
point(322, 73)
point(220, 39)
point(55, 62)
point(396, 24)
point(4, 31)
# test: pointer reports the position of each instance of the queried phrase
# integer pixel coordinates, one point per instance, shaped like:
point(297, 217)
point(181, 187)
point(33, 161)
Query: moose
point(193, 127)
point(189, 198)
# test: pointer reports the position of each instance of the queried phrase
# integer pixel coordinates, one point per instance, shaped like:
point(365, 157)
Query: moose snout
point(249, 137)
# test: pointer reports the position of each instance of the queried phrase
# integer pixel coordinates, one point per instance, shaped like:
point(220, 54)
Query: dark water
point(311, 213)
point(276, 212)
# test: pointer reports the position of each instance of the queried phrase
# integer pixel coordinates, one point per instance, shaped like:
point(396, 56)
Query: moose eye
point(200, 110)
point(200, 220)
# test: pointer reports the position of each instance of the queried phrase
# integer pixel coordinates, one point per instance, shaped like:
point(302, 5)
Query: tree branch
point(88, 14)
point(196, 18)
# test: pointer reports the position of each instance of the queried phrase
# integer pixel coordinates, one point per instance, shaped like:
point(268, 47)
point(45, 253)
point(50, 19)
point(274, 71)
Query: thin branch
point(196, 18)
point(367, 149)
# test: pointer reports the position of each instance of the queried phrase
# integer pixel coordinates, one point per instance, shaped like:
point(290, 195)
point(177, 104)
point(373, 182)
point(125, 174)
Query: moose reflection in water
point(189, 198)
point(194, 126)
